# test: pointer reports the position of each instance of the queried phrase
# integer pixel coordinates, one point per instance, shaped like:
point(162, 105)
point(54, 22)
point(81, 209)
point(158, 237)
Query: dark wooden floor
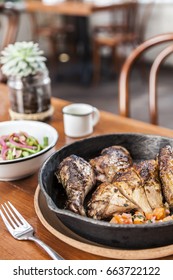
point(68, 84)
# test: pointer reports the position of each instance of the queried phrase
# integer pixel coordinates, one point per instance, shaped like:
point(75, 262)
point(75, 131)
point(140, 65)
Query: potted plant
point(28, 80)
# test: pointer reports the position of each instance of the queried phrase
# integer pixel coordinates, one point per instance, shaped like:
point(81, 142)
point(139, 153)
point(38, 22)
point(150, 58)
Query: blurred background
point(81, 56)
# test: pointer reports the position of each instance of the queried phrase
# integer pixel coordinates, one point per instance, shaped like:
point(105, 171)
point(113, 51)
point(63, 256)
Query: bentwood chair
point(124, 79)
point(11, 17)
point(126, 32)
point(9, 23)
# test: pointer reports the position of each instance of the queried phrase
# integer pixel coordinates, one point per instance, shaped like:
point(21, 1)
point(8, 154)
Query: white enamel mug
point(52, 2)
point(79, 119)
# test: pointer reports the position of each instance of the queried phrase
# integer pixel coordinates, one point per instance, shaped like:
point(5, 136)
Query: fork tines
point(11, 217)
point(20, 229)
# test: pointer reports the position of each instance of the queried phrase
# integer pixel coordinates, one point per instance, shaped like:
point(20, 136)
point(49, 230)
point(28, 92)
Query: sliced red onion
point(20, 145)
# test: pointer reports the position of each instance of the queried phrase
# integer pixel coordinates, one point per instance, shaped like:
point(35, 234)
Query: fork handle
point(48, 249)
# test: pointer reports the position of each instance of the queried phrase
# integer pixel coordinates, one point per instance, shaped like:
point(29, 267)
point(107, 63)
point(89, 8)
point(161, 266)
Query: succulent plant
point(22, 59)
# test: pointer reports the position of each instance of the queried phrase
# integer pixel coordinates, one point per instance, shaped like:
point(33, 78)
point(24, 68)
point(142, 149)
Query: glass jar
point(31, 94)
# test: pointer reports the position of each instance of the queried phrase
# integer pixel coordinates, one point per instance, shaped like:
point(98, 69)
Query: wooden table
point(71, 7)
point(21, 192)
point(74, 8)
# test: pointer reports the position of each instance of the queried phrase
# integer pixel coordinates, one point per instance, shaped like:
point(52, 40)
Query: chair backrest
point(124, 16)
point(128, 66)
point(9, 33)
point(131, 13)
point(129, 17)
point(11, 17)
point(142, 18)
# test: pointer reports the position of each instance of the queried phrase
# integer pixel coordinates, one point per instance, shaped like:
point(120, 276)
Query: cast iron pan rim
point(109, 135)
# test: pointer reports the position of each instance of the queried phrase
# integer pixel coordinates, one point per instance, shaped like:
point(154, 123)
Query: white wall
point(161, 21)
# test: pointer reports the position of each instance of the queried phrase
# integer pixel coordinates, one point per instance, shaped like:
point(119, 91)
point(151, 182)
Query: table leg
point(81, 38)
point(84, 48)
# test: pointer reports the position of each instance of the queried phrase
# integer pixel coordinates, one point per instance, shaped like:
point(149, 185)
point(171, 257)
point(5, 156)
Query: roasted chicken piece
point(165, 160)
point(112, 160)
point(130, 185)
point(78, 178)
point(107, 200)
point(149, 172)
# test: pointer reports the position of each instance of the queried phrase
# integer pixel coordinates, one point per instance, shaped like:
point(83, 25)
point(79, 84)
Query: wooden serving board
point(51, 222)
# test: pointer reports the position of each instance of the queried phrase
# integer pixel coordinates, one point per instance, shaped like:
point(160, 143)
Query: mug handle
point(96, 116)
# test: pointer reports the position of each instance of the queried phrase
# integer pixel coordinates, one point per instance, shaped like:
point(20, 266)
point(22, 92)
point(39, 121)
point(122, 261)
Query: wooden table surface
point(21, 192)
point(66, 8)
point(72, 8)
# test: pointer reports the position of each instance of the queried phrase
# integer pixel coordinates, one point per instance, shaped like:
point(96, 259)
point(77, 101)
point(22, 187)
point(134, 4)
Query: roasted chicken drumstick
point(77, 177)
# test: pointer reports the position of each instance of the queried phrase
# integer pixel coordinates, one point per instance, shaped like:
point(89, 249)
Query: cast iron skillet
point(140, 146)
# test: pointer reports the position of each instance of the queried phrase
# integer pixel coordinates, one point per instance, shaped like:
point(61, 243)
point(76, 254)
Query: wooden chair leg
point(53, 46)
point(13, 24)
point(117, 60)
point(13, 19)
point(96, 64)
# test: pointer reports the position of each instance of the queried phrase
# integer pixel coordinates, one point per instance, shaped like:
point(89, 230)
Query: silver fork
point(20, 229)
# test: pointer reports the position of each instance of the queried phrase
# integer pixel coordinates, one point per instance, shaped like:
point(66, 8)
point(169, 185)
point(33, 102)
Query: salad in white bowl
point(24, 146)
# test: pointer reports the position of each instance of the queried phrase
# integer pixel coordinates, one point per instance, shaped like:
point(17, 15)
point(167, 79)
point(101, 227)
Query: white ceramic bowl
point(23, 167)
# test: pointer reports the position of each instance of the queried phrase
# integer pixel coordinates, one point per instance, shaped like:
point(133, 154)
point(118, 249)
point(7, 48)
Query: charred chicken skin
point(130, 185)
point(122, 186)
point(108, 200)
point(149, 172)
point(77, 177)
point(112, 160)
point(165, 159)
